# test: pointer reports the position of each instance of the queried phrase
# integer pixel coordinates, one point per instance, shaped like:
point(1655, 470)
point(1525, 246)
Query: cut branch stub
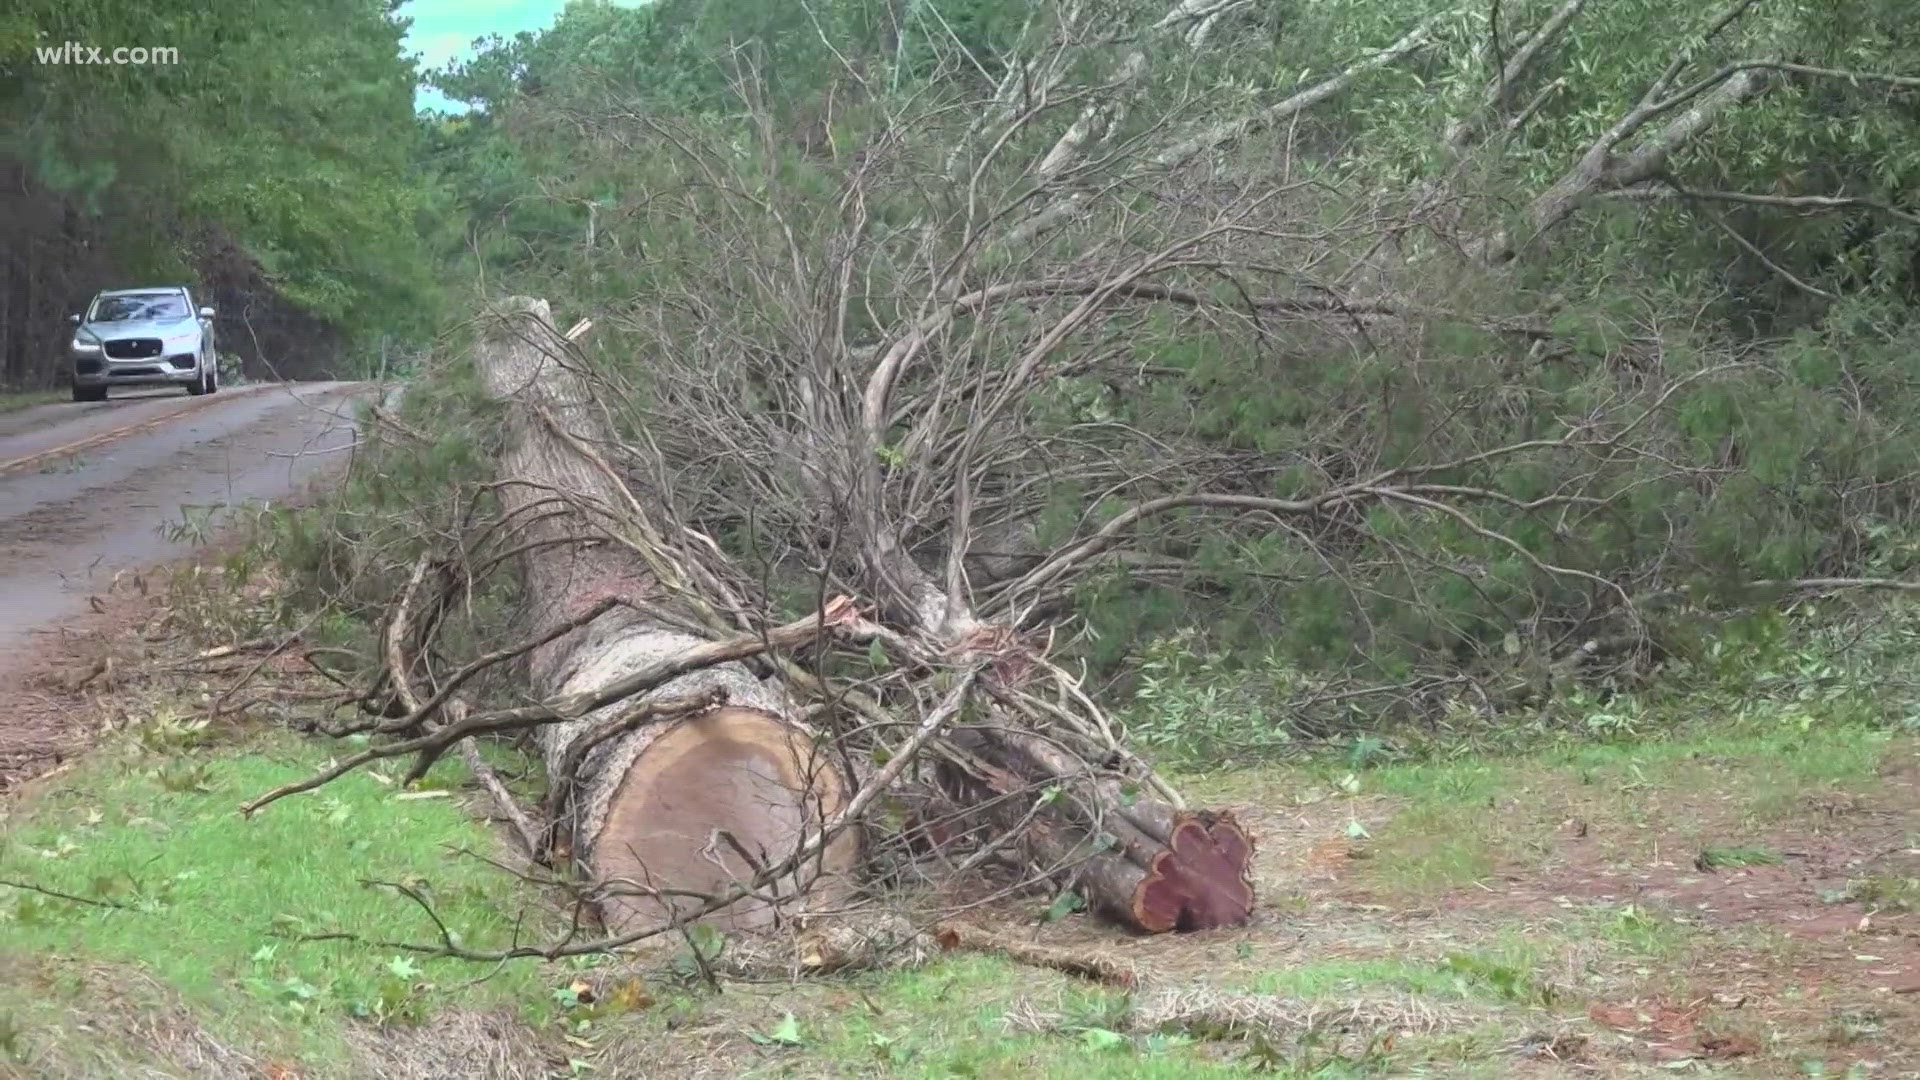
point(1140, 862)
point(1201, 881)
point(1198, 877)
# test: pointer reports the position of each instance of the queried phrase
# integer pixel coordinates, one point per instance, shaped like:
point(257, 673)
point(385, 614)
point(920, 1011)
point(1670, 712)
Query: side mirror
point(206, 313)
point(74, 319)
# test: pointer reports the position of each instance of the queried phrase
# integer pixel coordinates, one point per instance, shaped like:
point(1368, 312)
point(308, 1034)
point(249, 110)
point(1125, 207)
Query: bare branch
point(1217, 135)
point(1465, 132)
point(1667, 189)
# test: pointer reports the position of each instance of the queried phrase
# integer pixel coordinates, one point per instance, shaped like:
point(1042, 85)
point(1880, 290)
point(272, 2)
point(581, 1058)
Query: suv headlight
point(85, 342)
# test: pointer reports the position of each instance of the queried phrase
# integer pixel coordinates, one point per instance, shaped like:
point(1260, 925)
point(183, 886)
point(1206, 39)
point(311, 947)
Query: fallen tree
point(688, 786)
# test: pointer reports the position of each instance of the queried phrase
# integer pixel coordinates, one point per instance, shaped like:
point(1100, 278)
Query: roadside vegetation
point(1726, 880)
point(1473, 443)
point(26, 399)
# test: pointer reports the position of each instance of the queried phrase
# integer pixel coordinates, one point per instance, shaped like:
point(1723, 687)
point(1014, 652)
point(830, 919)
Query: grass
point(1492, 976)
point(1884, 892)
point(172, 879)
point(1449, 824)
point(183, 919)
point(179, 940)
point(15, 400)
point(952, 1019)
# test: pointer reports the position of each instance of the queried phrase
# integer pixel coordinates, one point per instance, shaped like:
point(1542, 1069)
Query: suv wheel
point(199, 384)
point(213, 373)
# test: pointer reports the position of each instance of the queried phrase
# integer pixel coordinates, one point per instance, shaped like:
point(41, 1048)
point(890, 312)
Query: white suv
point(143, 337)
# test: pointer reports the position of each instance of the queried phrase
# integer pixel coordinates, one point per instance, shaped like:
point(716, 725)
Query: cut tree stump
point(681, 809)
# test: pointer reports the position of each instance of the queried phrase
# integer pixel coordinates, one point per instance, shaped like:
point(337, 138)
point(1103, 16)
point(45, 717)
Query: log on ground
point(678, 810)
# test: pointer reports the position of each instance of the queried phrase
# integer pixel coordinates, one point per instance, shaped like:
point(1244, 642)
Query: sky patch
point(445, 30)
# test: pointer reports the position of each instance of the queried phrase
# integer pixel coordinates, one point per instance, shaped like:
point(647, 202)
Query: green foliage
point(1723, 858)
point(1191, 703)
point(670, 162)
point(218, 907)
point(346, 558)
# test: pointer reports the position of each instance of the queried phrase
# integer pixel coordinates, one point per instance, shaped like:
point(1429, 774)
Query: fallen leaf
point(1671, 1021)
point(1618, 1017)
point(1729, 1046)
point(630, 996)
point(786, 1033)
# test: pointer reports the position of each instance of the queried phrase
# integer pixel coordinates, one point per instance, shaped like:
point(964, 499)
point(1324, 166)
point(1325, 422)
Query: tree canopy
point(1462, 228)
point(285, 131)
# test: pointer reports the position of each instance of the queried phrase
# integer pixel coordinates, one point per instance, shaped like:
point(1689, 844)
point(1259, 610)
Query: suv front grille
point(133, 348)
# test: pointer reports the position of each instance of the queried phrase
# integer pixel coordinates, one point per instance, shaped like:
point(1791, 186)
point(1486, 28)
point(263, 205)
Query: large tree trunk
point(674, 808)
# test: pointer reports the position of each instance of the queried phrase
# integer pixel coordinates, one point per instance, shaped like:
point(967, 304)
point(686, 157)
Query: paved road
point(88, 490)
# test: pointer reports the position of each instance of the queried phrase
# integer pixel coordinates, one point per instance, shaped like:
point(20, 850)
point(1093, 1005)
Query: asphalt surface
point(89, 490)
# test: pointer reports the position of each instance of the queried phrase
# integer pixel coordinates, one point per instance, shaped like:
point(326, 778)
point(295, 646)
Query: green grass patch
point(1885, 892)
point(1430, 848)
point(1455, 822)
point(15, 400)
point(975, 1017)
point(953, 1019)
point(1636, 932)
point(1728, 858)
point(213, 905)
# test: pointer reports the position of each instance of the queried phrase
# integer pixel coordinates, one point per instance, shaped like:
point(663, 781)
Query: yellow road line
point(122, 432)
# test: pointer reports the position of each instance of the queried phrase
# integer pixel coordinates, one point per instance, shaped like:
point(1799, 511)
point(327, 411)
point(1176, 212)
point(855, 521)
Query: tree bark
point(1601, 169)
point(677, 810)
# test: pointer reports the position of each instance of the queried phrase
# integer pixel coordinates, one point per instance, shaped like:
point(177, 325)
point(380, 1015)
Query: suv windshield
point(138, 306)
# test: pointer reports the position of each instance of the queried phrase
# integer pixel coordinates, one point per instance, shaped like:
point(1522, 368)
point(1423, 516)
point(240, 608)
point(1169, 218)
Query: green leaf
point(1065, 904)
point(787, 1033)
